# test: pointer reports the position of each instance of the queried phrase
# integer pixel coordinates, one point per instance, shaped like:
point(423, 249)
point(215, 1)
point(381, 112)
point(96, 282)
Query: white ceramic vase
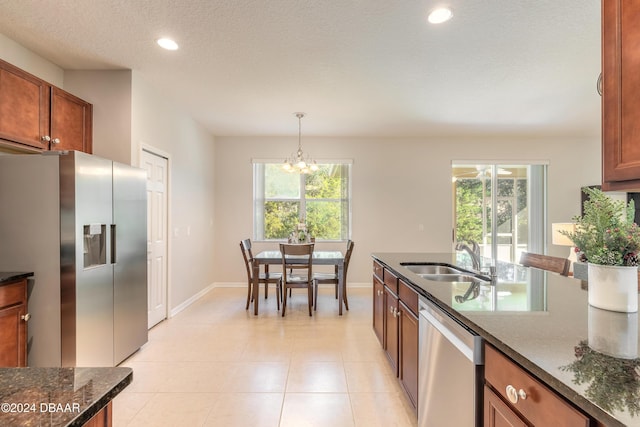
point(613, 287)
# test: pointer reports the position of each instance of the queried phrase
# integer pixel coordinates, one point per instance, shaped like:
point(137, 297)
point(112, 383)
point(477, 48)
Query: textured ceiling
point(356, 67)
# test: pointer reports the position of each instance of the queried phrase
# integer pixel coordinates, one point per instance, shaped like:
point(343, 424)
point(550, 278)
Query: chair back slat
point(297, 257)
point(245, 247)
point(546, 262)
point(347, 257)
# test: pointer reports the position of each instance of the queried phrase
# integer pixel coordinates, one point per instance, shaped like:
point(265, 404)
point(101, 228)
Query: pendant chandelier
point(298, 162)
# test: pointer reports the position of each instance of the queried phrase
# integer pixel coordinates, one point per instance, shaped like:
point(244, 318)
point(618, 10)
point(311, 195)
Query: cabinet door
point(13, 334)
point(102, 418)
point(24, 107)
point(378, 309)
point(391, 315)
point(71, 122)
point(538, 404)
point(621, 89)
point(409, 353)
point(497, 413)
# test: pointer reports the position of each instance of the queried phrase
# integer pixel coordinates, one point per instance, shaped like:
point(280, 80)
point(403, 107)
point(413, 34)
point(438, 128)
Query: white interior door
point(157, 207)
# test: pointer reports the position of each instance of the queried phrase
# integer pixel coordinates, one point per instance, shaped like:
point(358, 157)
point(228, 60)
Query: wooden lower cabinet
point(103, 418)
point(408, 371)
point(378, 309)
point(497, 413)
point(512, 394)
point(391, 331)
point(395, 323)
point(13, 324)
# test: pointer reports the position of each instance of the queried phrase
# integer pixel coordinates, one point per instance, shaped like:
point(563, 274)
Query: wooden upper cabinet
point(24, 107)
point(37, 115)
point(620, 93)
point(71, 122)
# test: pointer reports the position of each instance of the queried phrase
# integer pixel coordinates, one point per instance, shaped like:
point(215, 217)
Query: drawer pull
point(514, 395)
point(26, 317)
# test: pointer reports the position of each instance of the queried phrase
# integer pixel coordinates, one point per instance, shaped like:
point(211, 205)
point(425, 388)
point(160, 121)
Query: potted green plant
point(607, 238)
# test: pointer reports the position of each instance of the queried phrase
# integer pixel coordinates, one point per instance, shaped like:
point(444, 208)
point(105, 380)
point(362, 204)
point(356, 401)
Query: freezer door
point(129, 255)
point(86, 271)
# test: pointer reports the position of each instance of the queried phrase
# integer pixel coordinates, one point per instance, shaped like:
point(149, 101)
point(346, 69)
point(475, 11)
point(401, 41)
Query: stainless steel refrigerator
point(78, 222)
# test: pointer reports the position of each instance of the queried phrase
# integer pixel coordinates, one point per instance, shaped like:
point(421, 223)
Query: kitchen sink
point(452, 277)
point(432, 269)
point(444, 273)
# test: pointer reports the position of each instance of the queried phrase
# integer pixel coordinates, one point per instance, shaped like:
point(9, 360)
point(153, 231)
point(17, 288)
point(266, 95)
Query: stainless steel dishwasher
point(450, 371)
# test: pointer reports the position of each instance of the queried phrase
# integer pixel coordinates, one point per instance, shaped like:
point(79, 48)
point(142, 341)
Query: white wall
point(21, 57)
point(398, 184)
point(110, 93)
point(127, 113)
point(158, 122)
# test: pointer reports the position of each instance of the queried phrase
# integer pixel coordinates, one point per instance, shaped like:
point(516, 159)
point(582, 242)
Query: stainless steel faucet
point(474, 253)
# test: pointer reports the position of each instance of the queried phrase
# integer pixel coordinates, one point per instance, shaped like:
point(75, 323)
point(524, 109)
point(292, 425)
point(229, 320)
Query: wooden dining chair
point(546, 262)
point(266, 277)
point(297, 271)
point(329, 278)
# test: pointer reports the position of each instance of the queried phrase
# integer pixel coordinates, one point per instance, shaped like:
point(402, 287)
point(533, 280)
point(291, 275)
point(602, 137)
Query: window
point(320, 199)
point(500, 207)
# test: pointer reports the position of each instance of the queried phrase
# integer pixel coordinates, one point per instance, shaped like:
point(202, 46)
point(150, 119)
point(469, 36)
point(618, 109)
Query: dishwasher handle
point(468, 344)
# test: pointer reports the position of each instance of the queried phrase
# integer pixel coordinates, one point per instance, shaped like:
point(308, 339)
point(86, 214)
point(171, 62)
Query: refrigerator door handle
point(113, 243)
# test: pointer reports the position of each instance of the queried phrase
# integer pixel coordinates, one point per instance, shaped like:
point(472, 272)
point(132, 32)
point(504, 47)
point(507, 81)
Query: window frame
point(537, 202)
point(259, 198)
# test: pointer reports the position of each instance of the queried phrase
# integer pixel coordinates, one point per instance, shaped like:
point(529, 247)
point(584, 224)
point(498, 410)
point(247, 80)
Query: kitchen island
point(543, 323)
point(59, 397)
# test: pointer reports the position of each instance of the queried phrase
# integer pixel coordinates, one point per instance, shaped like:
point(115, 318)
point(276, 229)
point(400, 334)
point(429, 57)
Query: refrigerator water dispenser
point(95, 250)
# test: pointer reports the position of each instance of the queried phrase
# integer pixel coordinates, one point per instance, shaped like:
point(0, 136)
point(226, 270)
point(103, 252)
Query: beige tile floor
point(215, 364)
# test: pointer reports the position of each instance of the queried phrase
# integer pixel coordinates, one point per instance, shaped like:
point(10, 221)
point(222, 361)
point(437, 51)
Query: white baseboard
point(244, 285)
point(214, 285)
point(191, 300)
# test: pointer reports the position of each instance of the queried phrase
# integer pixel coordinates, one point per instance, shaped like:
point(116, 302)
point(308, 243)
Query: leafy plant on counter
point(614, 383)
point(606, 234)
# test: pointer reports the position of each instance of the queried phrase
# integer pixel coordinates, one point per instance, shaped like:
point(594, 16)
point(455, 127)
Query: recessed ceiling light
point(440, 15)
point(167, 44)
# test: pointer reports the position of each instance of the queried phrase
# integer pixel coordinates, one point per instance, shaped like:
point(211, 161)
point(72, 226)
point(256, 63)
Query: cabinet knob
point(55, 141)
point(514, 395)
point(522, 394)
point(26, 317)
point(45, 138)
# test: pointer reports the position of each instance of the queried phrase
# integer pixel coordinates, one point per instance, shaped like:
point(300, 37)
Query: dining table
point(335, 258)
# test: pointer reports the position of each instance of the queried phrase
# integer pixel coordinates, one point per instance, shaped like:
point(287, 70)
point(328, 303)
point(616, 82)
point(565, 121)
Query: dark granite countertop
point(12, 276)
point(542, 321)
point(52, 397)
